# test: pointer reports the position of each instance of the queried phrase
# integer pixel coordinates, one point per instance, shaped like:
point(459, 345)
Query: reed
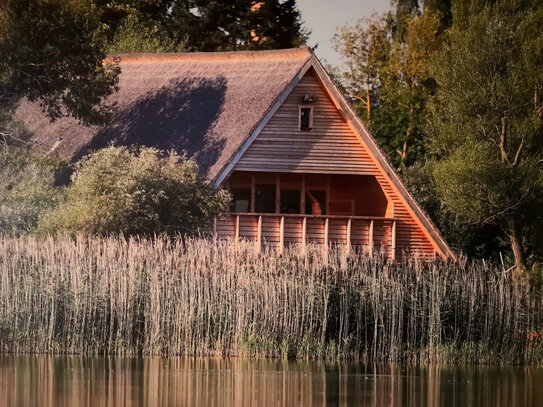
point(166, 296)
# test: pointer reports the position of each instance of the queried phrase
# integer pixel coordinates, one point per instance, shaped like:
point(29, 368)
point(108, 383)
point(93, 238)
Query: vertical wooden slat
point(277, 193)
point(259, 232)
point(302, 196)
point(393, 240)
point(214, 228)
point(328, 194)
point(326, 229)
point(349, 226)
point(281, 233)
point(304, 232)
point(370, 239)
point(253, 193)
point(236, 234)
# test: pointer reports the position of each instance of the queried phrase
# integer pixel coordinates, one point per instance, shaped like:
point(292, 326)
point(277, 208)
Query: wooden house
point(273, 129)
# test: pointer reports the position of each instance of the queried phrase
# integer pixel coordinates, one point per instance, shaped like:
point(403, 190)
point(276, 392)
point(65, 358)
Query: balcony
point(279, 230)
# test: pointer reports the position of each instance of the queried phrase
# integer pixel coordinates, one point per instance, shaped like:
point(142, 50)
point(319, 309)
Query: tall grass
point(198, 297)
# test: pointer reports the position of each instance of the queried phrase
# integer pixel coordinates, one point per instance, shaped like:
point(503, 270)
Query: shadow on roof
point(180, 116)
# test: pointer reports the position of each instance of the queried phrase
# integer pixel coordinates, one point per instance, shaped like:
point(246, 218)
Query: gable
point(330, 147)
point(336, 146)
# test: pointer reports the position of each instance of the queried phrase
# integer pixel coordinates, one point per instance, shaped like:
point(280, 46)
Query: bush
point(145, 191)
point(27, 189)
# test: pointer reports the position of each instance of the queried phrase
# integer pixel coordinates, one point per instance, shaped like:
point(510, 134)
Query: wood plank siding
point(330, 147)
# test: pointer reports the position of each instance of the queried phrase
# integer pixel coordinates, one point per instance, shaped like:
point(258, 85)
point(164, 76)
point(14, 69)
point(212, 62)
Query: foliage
point(50, 55)
point(239, 24)
point(132, 36)
point(387, 75)
point(197, 297)
point(27, 189)
point(486, 122)
point(117, 190)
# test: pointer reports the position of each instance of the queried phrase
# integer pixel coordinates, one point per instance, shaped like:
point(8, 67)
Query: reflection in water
point(102, 381)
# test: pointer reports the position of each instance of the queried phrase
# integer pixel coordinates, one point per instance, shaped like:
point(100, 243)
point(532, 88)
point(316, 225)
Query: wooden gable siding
point(331, 147)
point(282, 147)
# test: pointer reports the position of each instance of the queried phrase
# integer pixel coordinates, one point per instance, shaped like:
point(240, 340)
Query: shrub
point(27, 189)
point(145, 191)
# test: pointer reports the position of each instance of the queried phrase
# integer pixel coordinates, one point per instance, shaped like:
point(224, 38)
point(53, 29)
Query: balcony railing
point(278, 230)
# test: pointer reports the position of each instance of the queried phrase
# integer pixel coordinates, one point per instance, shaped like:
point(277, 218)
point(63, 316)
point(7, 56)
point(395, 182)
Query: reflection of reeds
point(162, 296)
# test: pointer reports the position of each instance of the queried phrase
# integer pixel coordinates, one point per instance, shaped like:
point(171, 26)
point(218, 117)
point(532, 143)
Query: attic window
point(306, 118)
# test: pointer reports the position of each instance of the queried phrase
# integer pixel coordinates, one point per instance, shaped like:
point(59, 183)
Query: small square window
point(306, 118)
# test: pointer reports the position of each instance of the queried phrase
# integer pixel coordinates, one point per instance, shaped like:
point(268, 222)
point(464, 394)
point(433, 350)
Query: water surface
point(104, 381)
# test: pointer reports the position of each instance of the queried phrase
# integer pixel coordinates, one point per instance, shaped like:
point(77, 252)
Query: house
point(272, 128)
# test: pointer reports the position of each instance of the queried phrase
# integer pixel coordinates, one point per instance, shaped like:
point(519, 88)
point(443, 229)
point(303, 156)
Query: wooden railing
point(373, 233)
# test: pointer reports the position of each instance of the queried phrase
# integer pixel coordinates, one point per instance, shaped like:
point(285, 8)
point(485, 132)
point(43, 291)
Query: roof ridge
point(215, 55)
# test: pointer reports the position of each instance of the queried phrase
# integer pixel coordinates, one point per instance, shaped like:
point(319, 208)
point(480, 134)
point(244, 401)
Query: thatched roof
point(204, 104)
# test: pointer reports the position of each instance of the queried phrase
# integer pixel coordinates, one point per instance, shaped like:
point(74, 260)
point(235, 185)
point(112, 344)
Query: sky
point(323, 16)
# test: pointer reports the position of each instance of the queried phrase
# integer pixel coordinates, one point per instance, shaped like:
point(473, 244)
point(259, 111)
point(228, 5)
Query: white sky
point(323, 16)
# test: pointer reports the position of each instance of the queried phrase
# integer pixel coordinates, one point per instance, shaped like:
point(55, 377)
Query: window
point(265, 198)
point(306, 118)
point(241, 197)
point(290, 201)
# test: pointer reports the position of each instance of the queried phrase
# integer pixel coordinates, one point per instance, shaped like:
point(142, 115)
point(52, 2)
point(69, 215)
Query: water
point(78, 381)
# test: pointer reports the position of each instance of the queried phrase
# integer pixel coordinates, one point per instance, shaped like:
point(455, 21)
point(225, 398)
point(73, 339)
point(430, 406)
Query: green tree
point(487, 121)
point(50, 55)
point(27, 189)
point(239, 24)
point(389, 78)
point(117, 190)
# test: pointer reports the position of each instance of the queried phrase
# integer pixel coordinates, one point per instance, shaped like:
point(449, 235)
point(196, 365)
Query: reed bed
point(166, 296)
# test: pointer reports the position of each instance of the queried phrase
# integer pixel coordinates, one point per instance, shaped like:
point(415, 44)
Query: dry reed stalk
point(94, 295)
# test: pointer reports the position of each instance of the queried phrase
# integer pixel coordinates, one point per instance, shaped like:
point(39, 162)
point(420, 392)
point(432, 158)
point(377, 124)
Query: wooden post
point(277, 193)
point(236, 233)
point(253, 193)
point(302, 196)
point(281, 233)
point(370, 239)
point(349, 224)
point(259, 232)
point(215, 228)
point(304, 232)
point(393, 240)
point(327, 195)
point(326, 226)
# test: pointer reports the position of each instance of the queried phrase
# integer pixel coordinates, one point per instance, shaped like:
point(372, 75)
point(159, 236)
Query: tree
point(487, 121)
point(49, 54)
point(239, 24)
point(27, 189)
point(118, 190)
point(388, 76)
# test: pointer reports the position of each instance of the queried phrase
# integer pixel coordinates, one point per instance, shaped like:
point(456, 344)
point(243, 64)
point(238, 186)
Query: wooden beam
point(277, 193)
point(393, 240)
point(259, 232)
point(214, 228)
point(281, 233)
point(236, 233)
point(302, 196)
point(304, 232)
point(326, 227)
point(349, 225)
point(370, 239)
point(253, 193)
point(328, 194)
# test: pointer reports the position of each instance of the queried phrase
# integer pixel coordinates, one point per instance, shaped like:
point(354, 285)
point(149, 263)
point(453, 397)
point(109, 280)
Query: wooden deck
point(280, 230)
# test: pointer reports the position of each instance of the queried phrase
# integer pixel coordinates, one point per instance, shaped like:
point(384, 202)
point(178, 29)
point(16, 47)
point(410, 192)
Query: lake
point(107, 381)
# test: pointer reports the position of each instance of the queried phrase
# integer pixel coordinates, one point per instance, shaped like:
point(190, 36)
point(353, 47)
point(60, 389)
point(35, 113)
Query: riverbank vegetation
point(165, 296)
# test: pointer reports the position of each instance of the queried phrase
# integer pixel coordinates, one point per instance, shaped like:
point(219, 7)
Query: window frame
point(300, 117)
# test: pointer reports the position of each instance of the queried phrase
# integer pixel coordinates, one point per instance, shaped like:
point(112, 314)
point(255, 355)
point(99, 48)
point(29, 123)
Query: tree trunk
point(516, 243)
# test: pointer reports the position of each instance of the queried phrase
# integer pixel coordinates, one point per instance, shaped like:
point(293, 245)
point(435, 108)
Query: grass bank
point(162, 296)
